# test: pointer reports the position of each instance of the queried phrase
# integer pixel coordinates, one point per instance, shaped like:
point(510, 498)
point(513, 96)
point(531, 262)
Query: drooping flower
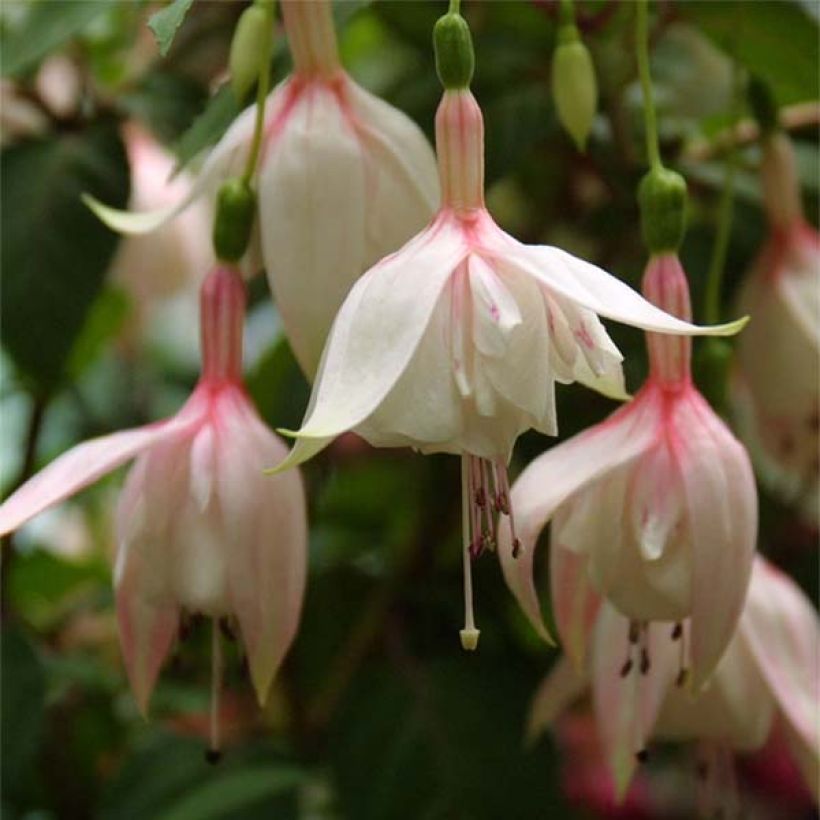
point(152, 268)
point(769, 676)
point(199, 529)
point(777, 379)
point(343, 179)
point(454, 343)
point(656, 507)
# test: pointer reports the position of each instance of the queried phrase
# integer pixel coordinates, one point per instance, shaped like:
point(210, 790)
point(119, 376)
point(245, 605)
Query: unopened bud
point(235, 214)
point(662, 197)
point(250, 48)
point(573, 85)
point(453, 46)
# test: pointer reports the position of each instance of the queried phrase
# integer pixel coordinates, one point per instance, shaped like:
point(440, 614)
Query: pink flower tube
point(654, 509)
point(199, 528)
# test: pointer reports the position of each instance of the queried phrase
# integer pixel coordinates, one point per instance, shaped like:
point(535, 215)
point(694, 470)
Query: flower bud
point(249, 47)
point(453, 45)
point(235, 212)
point(662, 198)
point(573, 85)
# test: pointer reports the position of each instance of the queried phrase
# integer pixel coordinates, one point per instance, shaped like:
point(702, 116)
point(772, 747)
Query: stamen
point(683, 674)
point(642, 755)
point(214, 752)
point(634, 632)
point(645, 665)
point(504, 504)
point(469, 635)
point(626, 668)
point(677, 631)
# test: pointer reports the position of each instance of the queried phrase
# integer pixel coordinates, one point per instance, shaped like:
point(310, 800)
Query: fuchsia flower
point(776, 389)
point(174, 256)
point(655, 509)
point(200, 530)
point(768, 676)
point(343, 179)
point(454, 343)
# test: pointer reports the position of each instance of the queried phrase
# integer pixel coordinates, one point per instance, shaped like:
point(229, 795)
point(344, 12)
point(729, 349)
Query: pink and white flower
point(454, 343)
point(777, 380)
point(768, 677)
point(343, 179)
point(199, 528)
point(655, 508)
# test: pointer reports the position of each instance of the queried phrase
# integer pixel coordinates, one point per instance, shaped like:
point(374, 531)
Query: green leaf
point(23, 700)
point(209, 126)
point(775, 39)
point(166, 23)
point(46, 27)
point(55, 252)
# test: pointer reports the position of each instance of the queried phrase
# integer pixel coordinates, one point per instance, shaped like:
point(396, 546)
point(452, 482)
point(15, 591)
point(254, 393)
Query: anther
point(516, 547)
point(213, 756)
point(642, 755)
point(476, 547)
point(644, 661)
point(488, 542)
point(502, 503)
point(626, 668)
point(680, 680)
point(480, 497)
point(677, 631)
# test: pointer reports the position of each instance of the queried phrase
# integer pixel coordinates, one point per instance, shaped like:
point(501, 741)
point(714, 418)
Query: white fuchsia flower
point(776, 385)
point(154, 267)
point(455, 342)
point(343, 178)
point(199, 529)
point(768, 677)
point(657, 506)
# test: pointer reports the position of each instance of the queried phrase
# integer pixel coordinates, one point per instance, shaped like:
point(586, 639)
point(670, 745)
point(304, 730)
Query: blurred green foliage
point(377, 713)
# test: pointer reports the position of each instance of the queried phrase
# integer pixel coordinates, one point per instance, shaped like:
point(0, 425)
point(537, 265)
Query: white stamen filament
point(469, 635)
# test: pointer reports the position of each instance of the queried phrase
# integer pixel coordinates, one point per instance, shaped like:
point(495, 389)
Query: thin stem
point(262, 88)
point(717, 264)
point(642, 48)
point(455, 5)
point(567, 12)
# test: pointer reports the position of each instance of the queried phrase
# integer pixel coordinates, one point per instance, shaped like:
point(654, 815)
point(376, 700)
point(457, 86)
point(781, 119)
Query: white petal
point(495, 312)
point(591, 287)
point(265, 520)
point(313, 204)
point(721, 504)
point(376, 333)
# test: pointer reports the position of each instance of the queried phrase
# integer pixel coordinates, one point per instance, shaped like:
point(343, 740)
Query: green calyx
point(662, 198)
point(453, 46)
point(235, 214)
point(763, 105)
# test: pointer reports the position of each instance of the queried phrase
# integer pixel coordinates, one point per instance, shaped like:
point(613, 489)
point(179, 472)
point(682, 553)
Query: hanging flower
point(454, 343)
point(656, 505)
point(776, 391)
point(768, 676)
point(152, 269)
point(343, 179)
point(199, 529)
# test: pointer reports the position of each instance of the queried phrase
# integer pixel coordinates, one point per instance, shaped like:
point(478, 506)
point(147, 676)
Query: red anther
point(626, 668)
point(476, 547)
point(644, 662)
point(677, 631)
point(502, 503)
point(516, 547)
point(681, 678)
point(642, 756)
point(480, 497)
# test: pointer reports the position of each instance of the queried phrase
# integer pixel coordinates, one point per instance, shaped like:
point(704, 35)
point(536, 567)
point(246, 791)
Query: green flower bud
point(453, 46)
point(235, 214)
point(573, 85)
point(763, 105)
point(662, 197)
point(249, 48)
point(713, 359)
